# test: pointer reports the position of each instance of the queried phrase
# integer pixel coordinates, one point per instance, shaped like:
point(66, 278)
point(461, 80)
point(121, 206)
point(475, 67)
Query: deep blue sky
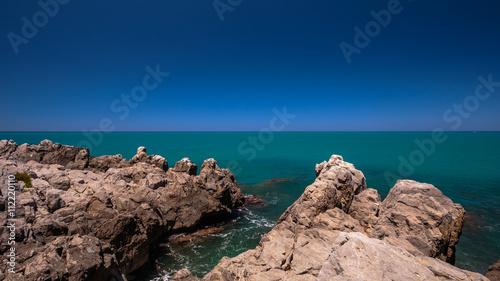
point(230, 74)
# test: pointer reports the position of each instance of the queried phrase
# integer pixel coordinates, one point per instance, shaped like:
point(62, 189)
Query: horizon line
point(251, 131)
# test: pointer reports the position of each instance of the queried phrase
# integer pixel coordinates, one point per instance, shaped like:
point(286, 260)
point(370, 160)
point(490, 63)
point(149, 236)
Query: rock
point(324, 234)
point(357, 257)
point(253, 200)
point(185, 166)
point(74, 258)
point(184, 237)
point(82, 160)
point(494, 272)
point(60, 181)
point(220, 183)
point(154, 160)
point(103, 163)
point(184, 275)
point(97, 218)
point(46, 153)
point(365, 208)
point(419, 218)
point(301, 241)
point(155, 181)
point(334, 186)
point(53, 200)
point(6, 148)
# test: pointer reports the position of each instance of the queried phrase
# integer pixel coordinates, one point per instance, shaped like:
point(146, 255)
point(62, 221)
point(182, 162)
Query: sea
point(465, 166)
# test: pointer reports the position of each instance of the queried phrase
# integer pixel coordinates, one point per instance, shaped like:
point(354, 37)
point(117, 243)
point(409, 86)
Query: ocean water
point(465, 167)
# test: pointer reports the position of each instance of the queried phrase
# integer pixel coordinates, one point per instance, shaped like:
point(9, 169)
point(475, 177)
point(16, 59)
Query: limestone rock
point(89, 218)
point(419, 218)
point(46, 152)
point(324, 234)
point(300, 243)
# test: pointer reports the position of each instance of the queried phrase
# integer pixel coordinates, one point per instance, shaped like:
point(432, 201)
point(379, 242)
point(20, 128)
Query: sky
point(237, 65)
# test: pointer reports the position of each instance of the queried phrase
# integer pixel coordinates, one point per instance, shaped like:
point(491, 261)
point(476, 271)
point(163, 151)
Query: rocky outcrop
point(89, 218)
point(340, 230)
point(46, 153)
point(494, 272)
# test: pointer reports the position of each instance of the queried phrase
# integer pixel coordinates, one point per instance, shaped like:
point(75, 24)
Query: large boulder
point(421, 219)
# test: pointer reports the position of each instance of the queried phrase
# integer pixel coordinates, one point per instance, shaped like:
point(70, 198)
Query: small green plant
point(24, 178)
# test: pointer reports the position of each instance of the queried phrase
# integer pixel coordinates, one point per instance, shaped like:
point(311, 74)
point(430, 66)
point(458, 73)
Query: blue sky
point(229, 75)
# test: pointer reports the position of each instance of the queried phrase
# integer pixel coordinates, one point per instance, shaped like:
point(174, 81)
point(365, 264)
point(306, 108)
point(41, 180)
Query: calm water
point(465, 167)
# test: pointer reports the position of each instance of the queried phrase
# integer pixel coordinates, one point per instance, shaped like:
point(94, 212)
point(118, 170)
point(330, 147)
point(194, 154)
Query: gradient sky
point(229, 75)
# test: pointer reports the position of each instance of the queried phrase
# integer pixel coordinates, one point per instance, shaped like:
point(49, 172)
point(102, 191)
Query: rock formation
point(340, 230)
point(494, 272)
point(96, 218)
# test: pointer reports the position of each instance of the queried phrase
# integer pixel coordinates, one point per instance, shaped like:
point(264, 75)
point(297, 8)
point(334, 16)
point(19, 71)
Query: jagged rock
point(154, 160)
point(105, 162)
point(323, 235)
point(106, 212)
point(494, 272)
point(82, 160)
point(6, 148)
point(419, 218)
point(46, 153)
point(300, 243)
point(185, 166)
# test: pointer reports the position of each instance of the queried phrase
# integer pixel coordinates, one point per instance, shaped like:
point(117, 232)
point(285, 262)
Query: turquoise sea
point(465, 167)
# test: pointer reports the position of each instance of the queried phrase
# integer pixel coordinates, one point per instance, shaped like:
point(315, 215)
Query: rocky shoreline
point(81, 217)
point(97, 218)
point(341, 230)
